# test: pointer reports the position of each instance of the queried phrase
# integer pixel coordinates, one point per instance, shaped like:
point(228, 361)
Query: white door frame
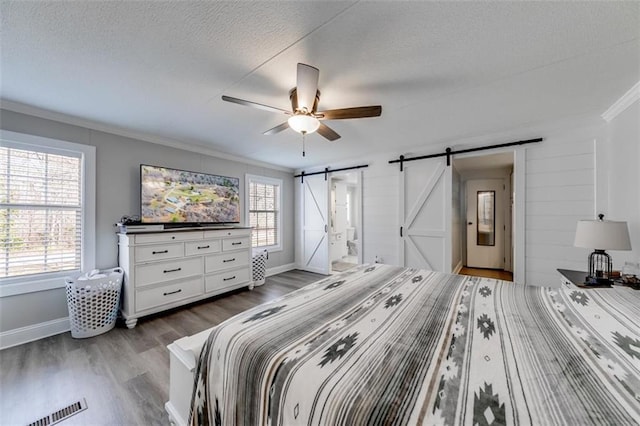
point(359, 213)
point(518, 230)
point(359, 216)
point(518, 234)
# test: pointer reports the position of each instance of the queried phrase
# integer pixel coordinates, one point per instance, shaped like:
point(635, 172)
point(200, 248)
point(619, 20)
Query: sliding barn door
point(425, 215)
point(314, 215)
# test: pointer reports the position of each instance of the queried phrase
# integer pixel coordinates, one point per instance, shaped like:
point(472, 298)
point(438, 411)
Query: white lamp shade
point(303, 123)
point(602, 235)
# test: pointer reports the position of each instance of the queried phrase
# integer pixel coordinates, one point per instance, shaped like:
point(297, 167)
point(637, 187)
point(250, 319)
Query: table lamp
point(601, 235)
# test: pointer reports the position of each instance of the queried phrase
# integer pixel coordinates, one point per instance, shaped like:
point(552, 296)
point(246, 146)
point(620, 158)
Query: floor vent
point(60, 415)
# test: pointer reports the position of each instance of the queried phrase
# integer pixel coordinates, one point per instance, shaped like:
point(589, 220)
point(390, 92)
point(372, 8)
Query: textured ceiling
point(443, 71)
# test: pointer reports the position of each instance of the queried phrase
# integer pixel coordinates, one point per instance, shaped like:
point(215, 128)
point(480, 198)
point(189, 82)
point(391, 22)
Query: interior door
point(485, 223)
point(425, 213)
point(315, 213)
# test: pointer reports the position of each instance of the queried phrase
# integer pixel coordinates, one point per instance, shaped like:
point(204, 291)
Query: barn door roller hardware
point(449, 153)
point(326, 172)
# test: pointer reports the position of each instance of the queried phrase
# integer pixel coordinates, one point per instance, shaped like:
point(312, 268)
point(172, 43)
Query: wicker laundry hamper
point(259, 267)
point(93, 302)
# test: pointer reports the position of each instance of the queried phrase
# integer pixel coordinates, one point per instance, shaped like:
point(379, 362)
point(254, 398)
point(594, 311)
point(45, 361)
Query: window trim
point(248, 178)
point(47, 281)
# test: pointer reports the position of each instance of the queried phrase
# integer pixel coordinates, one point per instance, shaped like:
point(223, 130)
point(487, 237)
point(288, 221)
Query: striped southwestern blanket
point(381, 345)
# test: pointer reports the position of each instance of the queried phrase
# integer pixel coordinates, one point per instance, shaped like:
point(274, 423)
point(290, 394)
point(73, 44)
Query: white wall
point(623, 178)
point(117, 181)
point(560, 190)
point(380, 220)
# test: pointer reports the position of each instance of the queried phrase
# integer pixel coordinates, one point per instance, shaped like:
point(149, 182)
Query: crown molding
point(119, 131)
point(623, 103)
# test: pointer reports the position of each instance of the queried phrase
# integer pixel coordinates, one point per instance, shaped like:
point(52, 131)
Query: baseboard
point(280, 269)
point(33, 332)
point(457, 268)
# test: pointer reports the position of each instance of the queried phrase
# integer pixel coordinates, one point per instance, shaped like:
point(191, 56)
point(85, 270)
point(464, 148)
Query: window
point(264, 211)
point(46, 208)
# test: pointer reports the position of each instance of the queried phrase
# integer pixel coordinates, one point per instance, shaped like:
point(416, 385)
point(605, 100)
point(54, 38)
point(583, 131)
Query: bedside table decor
point(601, 235)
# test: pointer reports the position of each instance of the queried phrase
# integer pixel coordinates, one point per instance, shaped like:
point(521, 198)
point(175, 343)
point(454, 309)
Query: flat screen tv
point(172, 196)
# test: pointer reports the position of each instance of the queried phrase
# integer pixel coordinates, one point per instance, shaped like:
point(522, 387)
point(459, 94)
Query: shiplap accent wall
point(560, 190)
point(380, 198)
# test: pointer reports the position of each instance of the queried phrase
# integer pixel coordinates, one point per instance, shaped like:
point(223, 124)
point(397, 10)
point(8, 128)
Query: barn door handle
point(401, 232)
point(325, 229)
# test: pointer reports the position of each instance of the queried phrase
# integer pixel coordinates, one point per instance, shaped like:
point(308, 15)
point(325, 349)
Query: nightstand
point(570, 278)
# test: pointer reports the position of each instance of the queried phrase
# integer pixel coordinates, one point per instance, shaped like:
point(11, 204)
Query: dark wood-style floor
point(122, 374)
point(487, 273)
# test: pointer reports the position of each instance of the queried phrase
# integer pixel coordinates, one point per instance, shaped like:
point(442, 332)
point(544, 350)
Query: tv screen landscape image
point(178, 196)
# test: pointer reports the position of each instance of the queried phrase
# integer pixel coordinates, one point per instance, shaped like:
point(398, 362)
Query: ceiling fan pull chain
point(303, 140)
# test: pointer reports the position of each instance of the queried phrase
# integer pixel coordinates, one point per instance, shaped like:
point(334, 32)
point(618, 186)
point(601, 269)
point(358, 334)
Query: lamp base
point(597, 281)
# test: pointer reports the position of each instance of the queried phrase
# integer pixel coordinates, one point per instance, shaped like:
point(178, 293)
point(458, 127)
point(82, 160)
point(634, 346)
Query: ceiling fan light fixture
point(304, 124)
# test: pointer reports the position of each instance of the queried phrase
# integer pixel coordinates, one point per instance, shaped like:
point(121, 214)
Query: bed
point(380, 344)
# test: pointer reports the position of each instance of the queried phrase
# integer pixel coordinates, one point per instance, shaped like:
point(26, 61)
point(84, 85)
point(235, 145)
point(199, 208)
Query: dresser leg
point(131, 322)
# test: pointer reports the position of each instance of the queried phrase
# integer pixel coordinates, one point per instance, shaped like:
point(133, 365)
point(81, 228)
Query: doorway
point(329, 211)
point(345, 219)
point(486, 215)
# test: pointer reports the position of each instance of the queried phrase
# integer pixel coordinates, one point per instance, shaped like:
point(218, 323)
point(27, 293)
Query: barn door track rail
point(449, 153)
point(326, 172)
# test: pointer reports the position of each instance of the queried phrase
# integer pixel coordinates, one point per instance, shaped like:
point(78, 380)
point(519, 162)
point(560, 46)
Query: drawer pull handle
point(203, 247)
point(237, 243)
point(172, 270)
point(228, 260)
point(173, 238)
point(160, 252)
point(230, 278)
point(173, 292)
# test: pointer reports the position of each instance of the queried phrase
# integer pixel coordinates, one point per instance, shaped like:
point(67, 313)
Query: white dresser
point(166, 269)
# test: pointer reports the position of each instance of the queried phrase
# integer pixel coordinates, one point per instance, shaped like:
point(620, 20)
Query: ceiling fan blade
point(307, 86)
point(254, 105)
point(277, 129)
point(327, 132)
point(344, 113)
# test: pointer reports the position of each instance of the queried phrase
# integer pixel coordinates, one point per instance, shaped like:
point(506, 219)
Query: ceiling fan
point(304, 116)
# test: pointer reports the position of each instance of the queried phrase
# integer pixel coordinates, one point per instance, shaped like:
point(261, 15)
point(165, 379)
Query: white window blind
point(40, 211)
point(264, 211)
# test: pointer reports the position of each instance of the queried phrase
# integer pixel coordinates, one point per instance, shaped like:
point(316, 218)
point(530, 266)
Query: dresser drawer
point(219, 262)
point(228, 279)
point(202, 247)
point(152, 273)
point(158, 296)
point(159, 252)
point(227, 233)
point(235, 243)
point(166, 237)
